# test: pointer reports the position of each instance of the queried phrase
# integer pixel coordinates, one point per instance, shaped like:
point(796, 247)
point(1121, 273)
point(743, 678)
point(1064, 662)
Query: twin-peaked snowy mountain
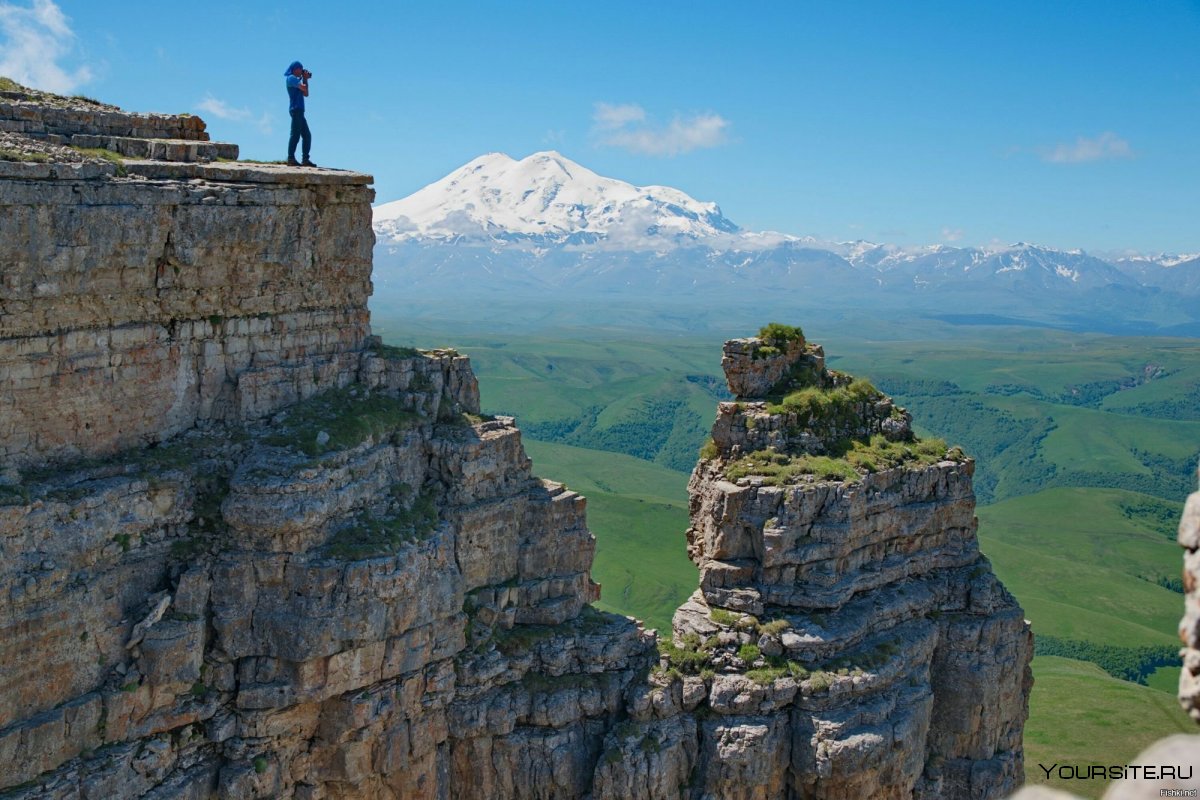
point(544, 221)
point(547, 199)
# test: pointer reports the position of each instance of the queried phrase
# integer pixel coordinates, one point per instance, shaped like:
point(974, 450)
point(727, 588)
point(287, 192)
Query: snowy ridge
point(548, 199)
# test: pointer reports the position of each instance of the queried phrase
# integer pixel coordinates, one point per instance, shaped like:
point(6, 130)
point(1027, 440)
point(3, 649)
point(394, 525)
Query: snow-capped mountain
point(1171, 272)
point(548, 199)
point(546, 222)
point(1019, 264)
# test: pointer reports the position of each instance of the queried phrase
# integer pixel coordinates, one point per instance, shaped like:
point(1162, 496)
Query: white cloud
point(625, 126)
point(609, 117)
point(266, 124)
point(1105, 146)
point(951, 234)
point(222, 110)
point(216, 107)
point(35, 38)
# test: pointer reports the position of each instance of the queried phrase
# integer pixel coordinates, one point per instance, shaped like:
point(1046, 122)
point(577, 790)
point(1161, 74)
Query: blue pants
point(299, 131)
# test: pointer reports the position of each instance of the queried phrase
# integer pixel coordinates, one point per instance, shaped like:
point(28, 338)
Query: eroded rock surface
point(247, 551)
point(847, 639)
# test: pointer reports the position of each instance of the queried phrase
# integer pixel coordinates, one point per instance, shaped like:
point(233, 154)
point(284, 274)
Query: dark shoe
point(307, 163)
point(293, 162)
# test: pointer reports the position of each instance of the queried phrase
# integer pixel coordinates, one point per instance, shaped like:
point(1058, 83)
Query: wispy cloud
point(609, 117)
point(1107, 145)
point(222, 110)
point(626, 126)
point(35, 38)
point(951, 234)
point(216, 107)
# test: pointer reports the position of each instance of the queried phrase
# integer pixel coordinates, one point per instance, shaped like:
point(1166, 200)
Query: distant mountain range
point(545, 222)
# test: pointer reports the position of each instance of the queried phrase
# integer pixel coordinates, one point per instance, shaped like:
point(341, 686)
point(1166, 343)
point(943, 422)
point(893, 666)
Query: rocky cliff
point(247, 551)
point(847, 639)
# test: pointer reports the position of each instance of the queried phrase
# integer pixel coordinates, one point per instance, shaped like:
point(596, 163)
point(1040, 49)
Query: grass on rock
point(348, 416)
point(7, 154)
point(849, 460)
point(104, 154)
point(818, 403)
point(372, 535)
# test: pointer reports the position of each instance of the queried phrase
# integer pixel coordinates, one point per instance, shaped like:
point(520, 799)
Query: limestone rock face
point(753, 367)
point(847, 638)
point(247, 551)
point(1189, 626)
point(139, 304)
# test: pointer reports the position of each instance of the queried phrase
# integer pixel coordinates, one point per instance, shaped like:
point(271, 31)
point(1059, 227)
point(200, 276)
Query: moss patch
point(848, 460)
point(104, 154)
point(7, 154)
point(689, 659)
point(346, 416)
point(393, 352)
point(372, 535)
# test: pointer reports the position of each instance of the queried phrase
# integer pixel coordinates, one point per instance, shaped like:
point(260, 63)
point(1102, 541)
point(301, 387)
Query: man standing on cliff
point(297, 89)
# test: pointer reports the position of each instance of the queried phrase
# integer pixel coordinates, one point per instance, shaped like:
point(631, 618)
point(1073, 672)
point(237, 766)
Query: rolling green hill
point(648, 399)
point(1087, 563)
point(1079, 715)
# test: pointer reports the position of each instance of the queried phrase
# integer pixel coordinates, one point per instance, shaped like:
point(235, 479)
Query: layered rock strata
point(848, 639)
point(141, 297)
point(245, 549)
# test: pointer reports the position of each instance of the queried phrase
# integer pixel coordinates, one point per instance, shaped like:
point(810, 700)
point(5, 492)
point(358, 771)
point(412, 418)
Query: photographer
point(297, 88)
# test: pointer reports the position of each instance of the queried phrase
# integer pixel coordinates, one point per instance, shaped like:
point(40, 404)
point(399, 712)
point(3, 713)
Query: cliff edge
point(245, 549)
point(248, 551)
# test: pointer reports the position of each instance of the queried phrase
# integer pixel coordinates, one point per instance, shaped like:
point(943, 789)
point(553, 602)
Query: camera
point(306, 74)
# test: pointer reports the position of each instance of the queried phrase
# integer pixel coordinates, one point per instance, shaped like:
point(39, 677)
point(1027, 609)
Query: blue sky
point(1069, 124)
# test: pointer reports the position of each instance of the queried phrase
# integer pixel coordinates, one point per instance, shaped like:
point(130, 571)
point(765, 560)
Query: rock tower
point(847, 639)
point(248, 551)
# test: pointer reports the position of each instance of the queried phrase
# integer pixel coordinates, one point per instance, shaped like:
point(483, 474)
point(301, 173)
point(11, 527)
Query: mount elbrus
point(248, 551)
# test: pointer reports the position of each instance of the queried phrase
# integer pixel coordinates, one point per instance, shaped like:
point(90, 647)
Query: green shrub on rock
point(778, 335)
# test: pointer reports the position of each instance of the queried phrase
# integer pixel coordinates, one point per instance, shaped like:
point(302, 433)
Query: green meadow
point(1080, 715)
point(1085, 445)
point(1085, 565)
